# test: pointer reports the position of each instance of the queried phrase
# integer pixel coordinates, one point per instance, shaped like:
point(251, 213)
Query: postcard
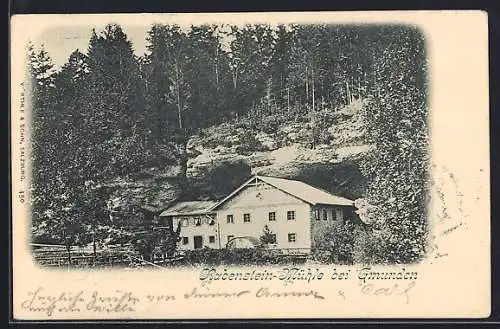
point(317, 165)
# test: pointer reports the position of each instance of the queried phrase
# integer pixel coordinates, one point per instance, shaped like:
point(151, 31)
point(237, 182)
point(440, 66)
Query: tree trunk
point(313, 96)
point(307, 85)
point(235, 78)
point(217, 68)
point(288, 99)
point(281, 89)
point(94, 248)
point(268, 94)
point(68, 249)
point(353, 84)
point(348, 94)
point(359, 88)
point(183, 159)
point(179, 108)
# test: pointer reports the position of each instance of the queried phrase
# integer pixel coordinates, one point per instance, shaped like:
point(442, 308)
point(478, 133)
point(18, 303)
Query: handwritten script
point(67, 302)
point(394, 290)
point(121, 302)
point(395, 284)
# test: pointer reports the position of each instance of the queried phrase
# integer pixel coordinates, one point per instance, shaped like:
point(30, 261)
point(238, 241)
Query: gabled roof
point(189, 208)
point(306, 192)
point(298, 189)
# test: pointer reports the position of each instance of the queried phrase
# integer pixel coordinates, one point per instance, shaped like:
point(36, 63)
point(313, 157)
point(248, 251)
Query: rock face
point(156, 191)
point(285, 150)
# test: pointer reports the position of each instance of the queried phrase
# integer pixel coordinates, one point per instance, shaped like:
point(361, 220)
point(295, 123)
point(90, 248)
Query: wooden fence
point(125, 256)
point(57, 255)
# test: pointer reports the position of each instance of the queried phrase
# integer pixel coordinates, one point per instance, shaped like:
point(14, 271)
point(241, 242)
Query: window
point(197, 221)
point(272, 216)
point(316, 214)
point(184, 222)
point(230, 237)
point(339, 214)
point(185, 240)
point(230, 219)
point(334, 214)
point(246, 218)
point(211, 239)
point(290, 215)
point(292, 237)
point(325, 215)
point(347, 214)
point(272, 238)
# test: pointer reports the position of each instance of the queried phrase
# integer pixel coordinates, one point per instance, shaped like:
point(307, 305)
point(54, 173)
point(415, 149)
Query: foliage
point(249, 144)
point(85, 129)
point(156, 242)
point(370, 247)
point(256, 256)
point(352, 244)
point(267, 236)
point(396, 118)
point(271, 123)
point(318, 135)
point(335, 243)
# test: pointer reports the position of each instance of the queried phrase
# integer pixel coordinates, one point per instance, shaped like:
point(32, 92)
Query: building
point(197, 221)
point(294, 211)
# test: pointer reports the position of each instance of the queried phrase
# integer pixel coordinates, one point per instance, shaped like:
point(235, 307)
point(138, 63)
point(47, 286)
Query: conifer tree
point(396, 118)
point(114, 112)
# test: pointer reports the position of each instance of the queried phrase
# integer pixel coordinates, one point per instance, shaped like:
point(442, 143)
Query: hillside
point(287, 151)
point(220, 158)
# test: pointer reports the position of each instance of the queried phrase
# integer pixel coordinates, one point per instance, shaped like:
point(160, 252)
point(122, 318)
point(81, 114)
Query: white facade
point(197, 231)
point(258, 201)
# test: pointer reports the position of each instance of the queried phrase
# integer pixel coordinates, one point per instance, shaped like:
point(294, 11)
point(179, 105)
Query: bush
point(215, 140)
point(267, 236)
point(369, 247)
point(249, 144)
point(247, 124)
point(210, 142)
point(328, 117)
point(255, 256)
point(323, 137)
point(335, 244)
point(270, 124)
point(155, 243)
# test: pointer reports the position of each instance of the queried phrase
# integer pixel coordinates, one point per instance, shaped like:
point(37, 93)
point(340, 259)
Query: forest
point(108, 113)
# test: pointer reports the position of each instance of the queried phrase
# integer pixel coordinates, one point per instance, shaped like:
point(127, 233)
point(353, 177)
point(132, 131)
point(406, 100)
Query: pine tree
point(40, 93)
point(168, 93)
point(114, 112)
point(56, 152)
